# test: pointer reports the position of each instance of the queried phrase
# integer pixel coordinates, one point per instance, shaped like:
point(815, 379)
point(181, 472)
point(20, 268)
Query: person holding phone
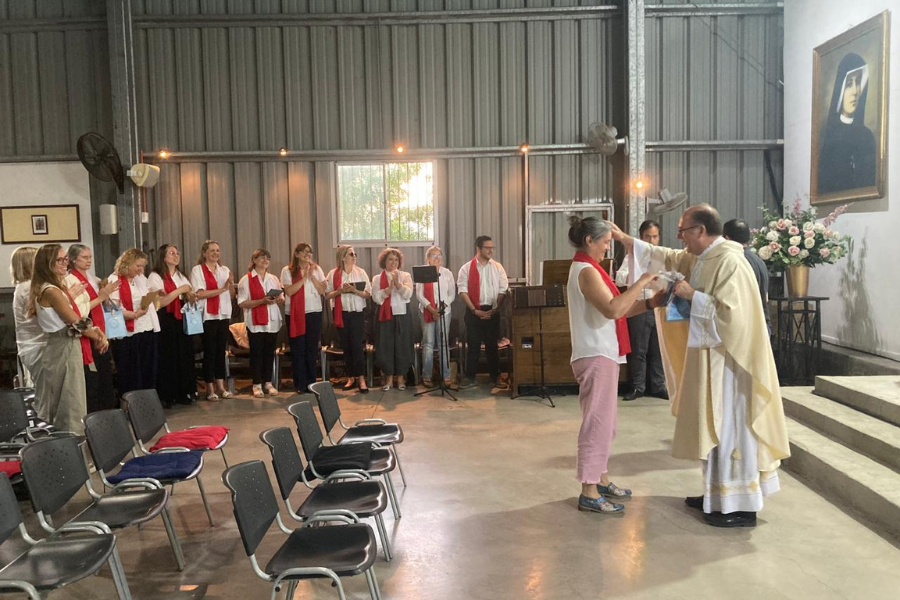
point(348, 288)
point(260, 296)
point(392, 290)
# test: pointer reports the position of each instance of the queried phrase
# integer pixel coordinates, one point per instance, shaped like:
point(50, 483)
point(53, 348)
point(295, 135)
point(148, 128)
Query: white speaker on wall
point(109, 220)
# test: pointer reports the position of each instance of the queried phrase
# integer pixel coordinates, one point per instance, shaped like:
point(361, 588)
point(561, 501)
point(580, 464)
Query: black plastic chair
point(364, 498)
point(147, 417)
point(58, 560)
point(54, 471)
point(309, 552)
point(110, 441)
point(368, 430)
point(322, 461)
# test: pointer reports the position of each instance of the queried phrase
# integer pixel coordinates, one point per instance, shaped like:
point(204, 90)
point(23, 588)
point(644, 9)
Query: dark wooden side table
point(797, 338)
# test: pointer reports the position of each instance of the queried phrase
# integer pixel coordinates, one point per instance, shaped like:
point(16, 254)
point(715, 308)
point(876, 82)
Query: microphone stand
point(442, 357)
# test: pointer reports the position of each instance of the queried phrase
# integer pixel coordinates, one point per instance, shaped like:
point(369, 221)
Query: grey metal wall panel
point(250, 224)
point(298, 89)
point(405, 79)
point(244, 94)
point(7, 107)
point(486, 88)
point(194, 211)
point(222, 210)
point(301, 191)
point(326, 107)
point(189, 83)
point(216, 89)
point(460, 125)
point(433, 85)
point(271, 78)
point(276, 212)
point(460, 193)
point(353, 93)
point(166, 201)
point(27, 93)
point(324, 207)
point(54, 108)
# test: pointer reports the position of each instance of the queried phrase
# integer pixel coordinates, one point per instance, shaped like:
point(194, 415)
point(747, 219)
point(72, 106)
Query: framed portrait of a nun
point(849, 114)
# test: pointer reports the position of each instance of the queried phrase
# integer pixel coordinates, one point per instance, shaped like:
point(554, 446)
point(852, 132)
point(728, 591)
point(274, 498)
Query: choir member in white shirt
point(349, 304)
point(175, 383)
point(136, 353)
point(391, 291)
point(30, 338)
point(213, 283)
point(482, 285)
point(98, 377)
point(262, 316)
point(429, 295)
point(304, 284)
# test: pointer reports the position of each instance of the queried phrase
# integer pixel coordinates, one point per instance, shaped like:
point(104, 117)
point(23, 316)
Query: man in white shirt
point(482, 285)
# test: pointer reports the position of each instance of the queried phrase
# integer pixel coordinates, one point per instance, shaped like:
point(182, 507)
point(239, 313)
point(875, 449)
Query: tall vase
point(797, 277)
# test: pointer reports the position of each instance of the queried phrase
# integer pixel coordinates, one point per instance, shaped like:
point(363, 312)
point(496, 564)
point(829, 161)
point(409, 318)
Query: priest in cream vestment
point(720, 371)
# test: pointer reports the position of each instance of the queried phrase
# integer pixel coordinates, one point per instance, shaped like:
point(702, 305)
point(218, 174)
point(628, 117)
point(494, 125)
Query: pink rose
point(780, 224)
point(809, 234)
point(775, 246)
point(793, 250)
point(824, 252)
point(794, 230)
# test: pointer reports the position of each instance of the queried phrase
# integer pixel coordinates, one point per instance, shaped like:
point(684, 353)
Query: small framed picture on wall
point(39, 225)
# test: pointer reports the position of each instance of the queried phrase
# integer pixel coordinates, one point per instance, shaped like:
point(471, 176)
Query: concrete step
point(837, 360)
point(865, 434)
point(847, 478)
point(878, 396)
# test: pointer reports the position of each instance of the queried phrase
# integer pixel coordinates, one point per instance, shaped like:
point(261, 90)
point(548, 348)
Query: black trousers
point(487, 332)
point(135, 358)
point(645, 355)
point(394, 350)
point(305, 352)
point(262, 355)
point(101, 393)
point(353, 339)
point(215, 338)
point(175, 381)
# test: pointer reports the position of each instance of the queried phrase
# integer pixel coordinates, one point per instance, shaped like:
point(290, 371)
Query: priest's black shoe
point(663, 394)
point(735, 519)
point(633, 395)
point(694, 502)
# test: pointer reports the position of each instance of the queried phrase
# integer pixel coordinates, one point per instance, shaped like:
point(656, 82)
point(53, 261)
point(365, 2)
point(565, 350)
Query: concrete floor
point(490, 513)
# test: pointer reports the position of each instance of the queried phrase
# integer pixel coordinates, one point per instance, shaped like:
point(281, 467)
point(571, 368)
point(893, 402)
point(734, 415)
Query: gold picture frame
point(850, 113)
point(40, 224)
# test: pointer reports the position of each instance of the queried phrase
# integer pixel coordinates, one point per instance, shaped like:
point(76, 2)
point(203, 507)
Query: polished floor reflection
point(490, 513)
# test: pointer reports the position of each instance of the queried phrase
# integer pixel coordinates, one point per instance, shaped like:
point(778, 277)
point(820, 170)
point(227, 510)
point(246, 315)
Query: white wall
point(865, 287)
point(23, 184)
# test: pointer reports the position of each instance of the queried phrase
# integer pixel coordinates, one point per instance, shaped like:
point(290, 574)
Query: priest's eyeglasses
point(683, 229)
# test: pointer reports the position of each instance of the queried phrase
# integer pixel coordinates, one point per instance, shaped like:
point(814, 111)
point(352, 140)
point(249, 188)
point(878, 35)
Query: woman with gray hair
point(597, 313)
point(429, 296)
point(391, 291)
point(30, 338)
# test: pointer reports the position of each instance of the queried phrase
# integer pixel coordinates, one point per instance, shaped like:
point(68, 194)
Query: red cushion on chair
point(10, 467)
point(197, 438)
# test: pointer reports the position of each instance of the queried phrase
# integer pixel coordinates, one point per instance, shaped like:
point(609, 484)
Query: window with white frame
point(385, 203)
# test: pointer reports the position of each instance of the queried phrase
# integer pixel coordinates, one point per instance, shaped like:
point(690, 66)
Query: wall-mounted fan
point(101, 159)
point(665, 203)
point(602, 138)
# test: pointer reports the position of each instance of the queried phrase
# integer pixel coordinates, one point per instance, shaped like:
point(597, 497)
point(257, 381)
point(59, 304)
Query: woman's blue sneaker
point(600, 505)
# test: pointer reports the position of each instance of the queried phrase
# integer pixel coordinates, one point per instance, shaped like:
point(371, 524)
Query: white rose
point(752, 250)
point(795, 241)
point(772, 236)
point(808, 226)
point(788, 222)
point(772, 224)
point(809, 242)
point(765, 253)
point(803, 253)
point(819, 228)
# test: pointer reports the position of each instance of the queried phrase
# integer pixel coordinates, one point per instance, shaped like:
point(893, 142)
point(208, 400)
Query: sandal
point(212, 397)
point(614, 491)
point(226, 394)
point(401, 383)
point(599, 505)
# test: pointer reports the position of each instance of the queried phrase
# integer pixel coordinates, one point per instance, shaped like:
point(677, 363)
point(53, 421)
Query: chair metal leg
point(393, 448)
point(291, 589)
point(374, 592)
point(205, 503)
point(392, 495)
point(173, 538)
point(222, 450)
point(118, 574)
point(385, 541)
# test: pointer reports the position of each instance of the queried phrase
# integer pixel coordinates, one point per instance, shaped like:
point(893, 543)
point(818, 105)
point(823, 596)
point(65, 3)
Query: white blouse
point(447, 292)
point(399, 298)
point(47, 317)
point(350, 302)
point(312, 296)
point(270, 282)
point(30, 337)
point(198, 282)
point(493, 282)
point(139, 288)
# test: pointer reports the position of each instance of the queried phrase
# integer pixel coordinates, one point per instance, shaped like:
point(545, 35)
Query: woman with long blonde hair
point(30, 338)
point(213, 283)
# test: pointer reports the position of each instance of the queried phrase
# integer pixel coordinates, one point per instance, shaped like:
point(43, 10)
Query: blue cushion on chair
point(165, 466)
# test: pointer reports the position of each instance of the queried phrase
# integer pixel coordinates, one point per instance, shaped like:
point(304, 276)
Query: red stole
point(384, 312)
point(169, 286)
point(87, 356)
point(474, 284)
point(127, 301)
point(96, 312)
point(622, 322)
point(260, 313)
point(212, 302)
point(298, 309)
point(428, 290)
point(338, 305)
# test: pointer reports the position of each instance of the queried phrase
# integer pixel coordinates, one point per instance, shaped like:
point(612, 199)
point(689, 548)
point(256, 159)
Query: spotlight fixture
point(283, 152)
point(400, 149)
point(164, 153)
point(523, 149)
point(639, 184)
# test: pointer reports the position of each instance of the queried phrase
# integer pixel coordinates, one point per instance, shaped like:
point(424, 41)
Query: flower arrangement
point(799, 238)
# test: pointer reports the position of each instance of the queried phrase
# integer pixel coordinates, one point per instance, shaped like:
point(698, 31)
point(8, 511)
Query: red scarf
point(212, 302)
point(298, 309)
point(428, 289)
point(127, 302)
point(338, 305)
point(385, 313)
point(169, 286)
point(622, 322)
point(96, 312)
point(260, 313)
point(474, 284)
point(87, 356)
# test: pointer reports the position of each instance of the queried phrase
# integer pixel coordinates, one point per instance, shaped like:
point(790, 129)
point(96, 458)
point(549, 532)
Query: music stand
point(430, 274)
